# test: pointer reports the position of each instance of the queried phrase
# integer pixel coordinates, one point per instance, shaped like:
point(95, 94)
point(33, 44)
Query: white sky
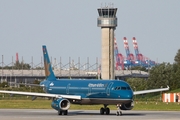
point(69, 28)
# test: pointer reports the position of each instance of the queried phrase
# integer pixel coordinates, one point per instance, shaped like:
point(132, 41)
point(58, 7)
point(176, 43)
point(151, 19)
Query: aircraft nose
point(129, 95)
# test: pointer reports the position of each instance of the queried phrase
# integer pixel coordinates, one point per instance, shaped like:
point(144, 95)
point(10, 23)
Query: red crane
point(141, 59)
point(17, 58)
point(130, 57)
point(119, 57)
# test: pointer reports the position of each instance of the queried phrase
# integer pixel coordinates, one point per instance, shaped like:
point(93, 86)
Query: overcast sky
point(69, 28)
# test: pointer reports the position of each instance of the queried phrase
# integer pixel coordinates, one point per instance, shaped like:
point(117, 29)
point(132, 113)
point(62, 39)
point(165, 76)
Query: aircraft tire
point(117, 113)
point(107, 111)
point(65, 112)
point(120, 113)
point(102, 110)
point(59, 112)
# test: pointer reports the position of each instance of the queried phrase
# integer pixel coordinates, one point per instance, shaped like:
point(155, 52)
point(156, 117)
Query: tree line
point(160, 76)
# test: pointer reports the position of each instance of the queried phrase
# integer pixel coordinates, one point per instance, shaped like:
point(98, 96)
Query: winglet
point(47, 65)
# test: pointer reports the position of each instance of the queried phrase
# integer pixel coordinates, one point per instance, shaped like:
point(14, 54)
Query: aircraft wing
point(151, 91)
point(34, 94)
point(37, 85)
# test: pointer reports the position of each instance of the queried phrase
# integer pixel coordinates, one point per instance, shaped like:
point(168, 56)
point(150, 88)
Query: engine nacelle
point(60, 104)
point(127, 106)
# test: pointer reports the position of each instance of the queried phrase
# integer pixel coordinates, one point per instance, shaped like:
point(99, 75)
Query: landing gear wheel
point(65, 112)
point(59, 112)
point(102, 110)
point(119, 113)
point(107, 111)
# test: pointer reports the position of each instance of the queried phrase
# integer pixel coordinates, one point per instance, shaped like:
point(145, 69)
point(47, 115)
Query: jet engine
point(60, 104)
point(127, 106)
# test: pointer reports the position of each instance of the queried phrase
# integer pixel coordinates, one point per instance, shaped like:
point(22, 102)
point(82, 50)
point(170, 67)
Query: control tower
point(107, 21)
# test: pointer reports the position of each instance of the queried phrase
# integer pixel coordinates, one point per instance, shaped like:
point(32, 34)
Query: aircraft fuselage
point(91, 91)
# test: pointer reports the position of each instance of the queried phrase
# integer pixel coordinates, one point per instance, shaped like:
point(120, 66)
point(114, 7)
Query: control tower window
point(107, 12)
point(111, 12)
point(100, 12)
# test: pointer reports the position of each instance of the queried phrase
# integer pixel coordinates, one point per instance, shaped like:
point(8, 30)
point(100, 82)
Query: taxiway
point(47, 114)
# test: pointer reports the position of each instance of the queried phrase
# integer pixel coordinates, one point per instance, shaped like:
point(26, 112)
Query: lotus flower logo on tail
point(47, 66)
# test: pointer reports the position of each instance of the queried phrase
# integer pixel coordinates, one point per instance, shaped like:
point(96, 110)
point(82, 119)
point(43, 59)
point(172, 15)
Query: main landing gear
point(104, 110)
point(62, 112)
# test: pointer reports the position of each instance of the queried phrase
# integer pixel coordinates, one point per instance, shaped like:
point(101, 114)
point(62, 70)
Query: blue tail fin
point(47, 65)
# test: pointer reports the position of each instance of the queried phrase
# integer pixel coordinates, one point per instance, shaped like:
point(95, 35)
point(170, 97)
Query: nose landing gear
point(119, 112)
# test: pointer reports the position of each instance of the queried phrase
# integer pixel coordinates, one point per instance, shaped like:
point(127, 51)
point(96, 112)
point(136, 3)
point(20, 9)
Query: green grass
point(175, 91)
point(46, 104)
point(25, 104)
point(157, 106)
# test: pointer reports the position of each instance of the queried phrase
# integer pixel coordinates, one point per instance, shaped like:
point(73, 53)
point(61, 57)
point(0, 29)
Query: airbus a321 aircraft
point(84, 92)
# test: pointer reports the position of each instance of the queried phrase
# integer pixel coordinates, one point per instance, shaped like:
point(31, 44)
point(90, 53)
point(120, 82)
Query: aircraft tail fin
point(47, 66)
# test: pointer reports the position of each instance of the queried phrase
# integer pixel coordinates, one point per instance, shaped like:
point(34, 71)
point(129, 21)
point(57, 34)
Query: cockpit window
point(117, 88)
point(122, 88)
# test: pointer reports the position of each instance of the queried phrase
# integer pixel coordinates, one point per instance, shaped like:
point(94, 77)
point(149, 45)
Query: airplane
point(65, 92)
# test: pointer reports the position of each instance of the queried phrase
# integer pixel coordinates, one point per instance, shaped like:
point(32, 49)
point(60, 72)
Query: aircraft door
point(109, 88)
